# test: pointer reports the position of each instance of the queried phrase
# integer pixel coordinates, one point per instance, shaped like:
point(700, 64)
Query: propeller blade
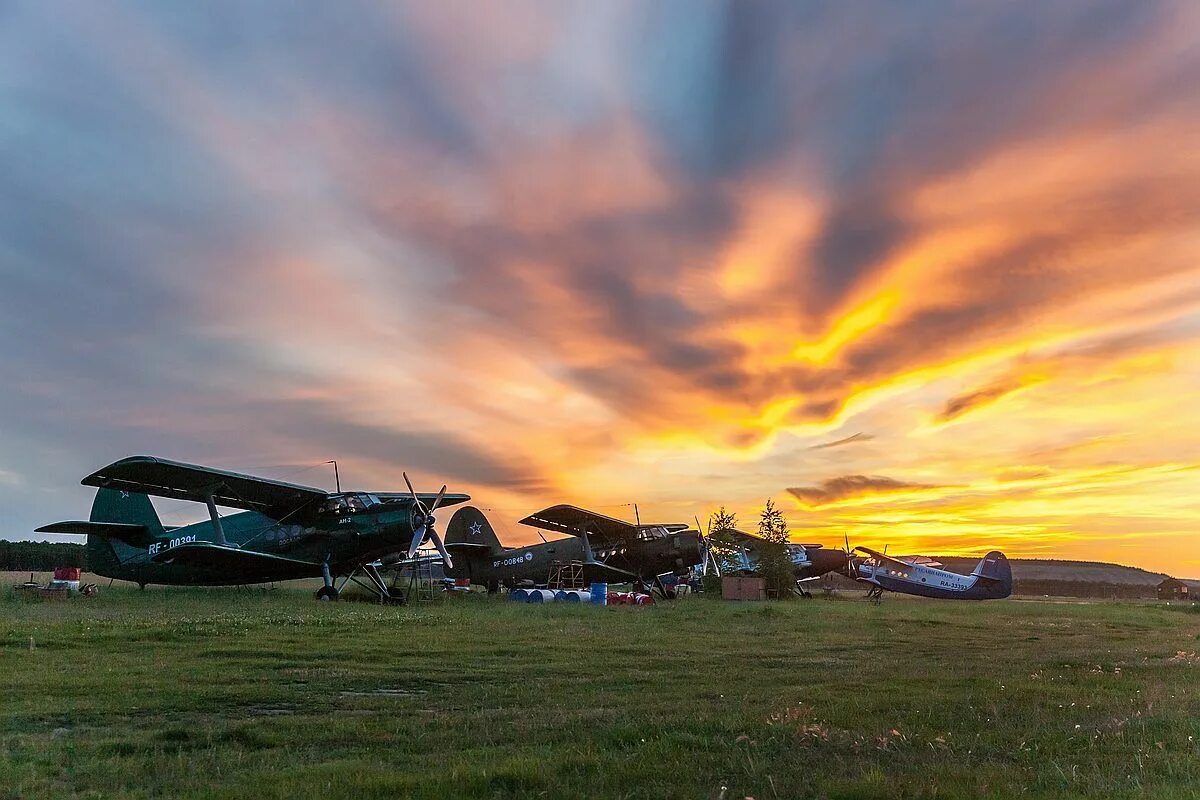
point(437, 502)
point(441, 548)
point(413, 492)
point(418, 538)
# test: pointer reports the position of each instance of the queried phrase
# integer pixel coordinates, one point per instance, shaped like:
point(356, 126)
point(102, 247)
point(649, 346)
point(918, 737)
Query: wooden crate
point(736, 587)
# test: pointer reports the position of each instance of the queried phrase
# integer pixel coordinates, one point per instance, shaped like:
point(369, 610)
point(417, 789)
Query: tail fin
point(994, 567)
point(128, 508)
point(469, 528)
point(122, 525)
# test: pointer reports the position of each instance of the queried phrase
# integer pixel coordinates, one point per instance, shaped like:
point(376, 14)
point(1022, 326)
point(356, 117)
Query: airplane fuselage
point(342, 540)
point(636, 560)
point(926, 581)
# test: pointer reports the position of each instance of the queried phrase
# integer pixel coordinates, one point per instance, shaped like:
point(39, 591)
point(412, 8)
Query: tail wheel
point(327, 594)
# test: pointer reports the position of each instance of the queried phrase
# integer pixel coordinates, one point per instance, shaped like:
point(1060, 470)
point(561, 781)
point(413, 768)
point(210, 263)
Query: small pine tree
point(721, 540)
point(774, 565)
point(771, 525)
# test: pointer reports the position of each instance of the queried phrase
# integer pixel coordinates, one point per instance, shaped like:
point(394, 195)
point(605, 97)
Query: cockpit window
point(650, 534)
point(349, 503)
point(334, 505)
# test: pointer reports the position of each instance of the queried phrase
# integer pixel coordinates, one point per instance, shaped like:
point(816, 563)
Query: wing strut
point(216, 518)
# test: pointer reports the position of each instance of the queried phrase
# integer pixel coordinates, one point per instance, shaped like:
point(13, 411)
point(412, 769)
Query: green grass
point(233, 693)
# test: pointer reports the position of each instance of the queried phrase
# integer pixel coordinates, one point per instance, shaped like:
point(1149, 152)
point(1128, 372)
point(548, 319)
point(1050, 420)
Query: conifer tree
point(774, 565)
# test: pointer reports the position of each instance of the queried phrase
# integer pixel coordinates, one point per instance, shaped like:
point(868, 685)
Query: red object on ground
point(462, 582)
point(66, 573)
point(630, 599)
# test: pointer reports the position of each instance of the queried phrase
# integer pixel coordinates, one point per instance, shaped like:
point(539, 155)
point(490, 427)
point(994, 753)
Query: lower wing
point(256, 566)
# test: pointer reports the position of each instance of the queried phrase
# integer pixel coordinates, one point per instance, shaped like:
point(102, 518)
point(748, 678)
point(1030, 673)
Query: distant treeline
point(39, 556)
point(1123, 591)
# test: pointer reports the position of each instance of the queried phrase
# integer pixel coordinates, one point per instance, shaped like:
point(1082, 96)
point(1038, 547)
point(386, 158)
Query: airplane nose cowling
point(690, 552)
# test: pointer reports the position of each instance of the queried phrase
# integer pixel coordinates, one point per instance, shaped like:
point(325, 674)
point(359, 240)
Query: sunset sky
point(928, 274)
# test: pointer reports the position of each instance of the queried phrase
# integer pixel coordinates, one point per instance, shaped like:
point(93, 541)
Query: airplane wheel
point(327, 594)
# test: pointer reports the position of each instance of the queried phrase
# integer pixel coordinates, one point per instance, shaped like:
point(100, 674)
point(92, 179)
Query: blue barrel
point(600, 594)
point(541, 596)
point(519, 595)
point(569, 596)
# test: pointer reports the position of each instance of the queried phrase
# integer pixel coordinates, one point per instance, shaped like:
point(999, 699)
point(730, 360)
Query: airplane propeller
point(851, 567)
point(426, 530)
point(707, 547)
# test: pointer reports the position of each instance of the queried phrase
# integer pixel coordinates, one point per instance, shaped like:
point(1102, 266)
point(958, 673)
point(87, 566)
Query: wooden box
point(735, 587)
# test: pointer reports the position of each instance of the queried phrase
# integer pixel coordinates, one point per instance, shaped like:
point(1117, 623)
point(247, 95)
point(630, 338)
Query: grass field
point(266, 693)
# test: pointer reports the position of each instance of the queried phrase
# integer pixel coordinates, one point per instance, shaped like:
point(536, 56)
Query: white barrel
point(541, 596)
point(519, 595)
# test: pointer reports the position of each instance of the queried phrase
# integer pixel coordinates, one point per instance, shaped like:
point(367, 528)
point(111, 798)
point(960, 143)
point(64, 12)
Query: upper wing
point(253, 566)
point(427, 498)
point(740, 536)
point(883, 557)
point(578, 521)
point(162, 478)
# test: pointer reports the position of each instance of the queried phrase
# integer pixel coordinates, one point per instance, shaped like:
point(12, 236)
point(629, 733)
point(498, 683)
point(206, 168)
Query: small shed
point(1172, 589)
point(737, 587)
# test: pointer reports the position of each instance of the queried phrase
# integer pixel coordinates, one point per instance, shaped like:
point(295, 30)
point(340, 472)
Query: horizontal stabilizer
point(134, 534)
point(247, 564)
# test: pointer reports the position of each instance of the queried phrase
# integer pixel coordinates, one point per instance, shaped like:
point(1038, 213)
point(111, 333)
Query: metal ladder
point(420, 582)
point(565, 575)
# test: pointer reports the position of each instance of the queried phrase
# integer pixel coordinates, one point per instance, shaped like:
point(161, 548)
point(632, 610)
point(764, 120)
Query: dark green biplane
point(285, 531)
point(605, 549)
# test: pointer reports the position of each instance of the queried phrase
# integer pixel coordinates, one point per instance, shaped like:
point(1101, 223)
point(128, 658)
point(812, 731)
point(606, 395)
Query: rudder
point(107, 554)
point(995, 567)
point(470, 528)
point(130, 508)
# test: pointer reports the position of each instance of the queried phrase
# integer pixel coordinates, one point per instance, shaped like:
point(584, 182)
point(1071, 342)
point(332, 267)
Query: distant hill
point(1038, 569)
point(1062, 578)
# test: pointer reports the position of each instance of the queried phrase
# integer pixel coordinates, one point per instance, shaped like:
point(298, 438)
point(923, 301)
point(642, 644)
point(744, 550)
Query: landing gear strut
point(327, 593)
